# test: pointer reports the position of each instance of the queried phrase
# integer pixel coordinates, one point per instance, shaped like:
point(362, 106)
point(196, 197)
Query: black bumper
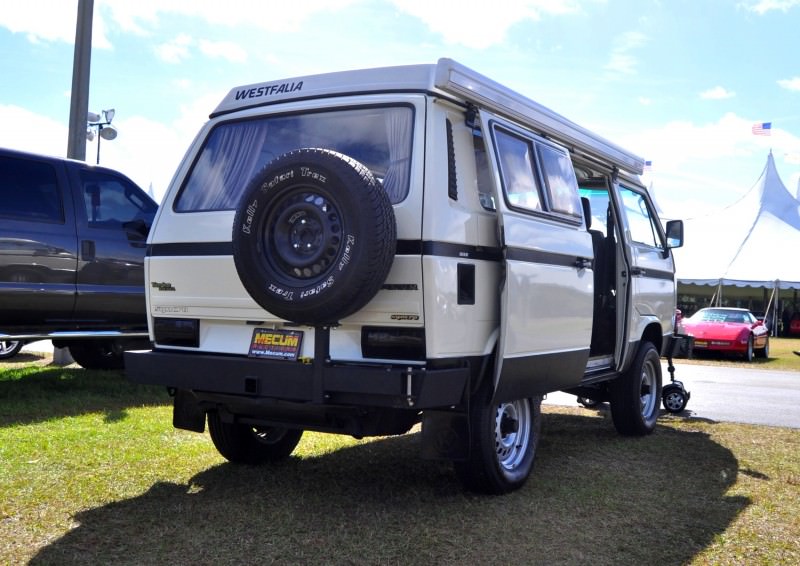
point(321, 383)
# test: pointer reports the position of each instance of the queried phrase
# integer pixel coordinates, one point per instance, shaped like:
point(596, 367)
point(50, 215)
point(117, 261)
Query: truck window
point(234, 152)
point(641, 221)
point(110, 202)
point(559, 181)
point(516, 166)
point(29, 191)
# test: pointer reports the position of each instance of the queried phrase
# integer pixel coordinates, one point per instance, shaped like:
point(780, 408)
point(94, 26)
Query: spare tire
point(314, 236)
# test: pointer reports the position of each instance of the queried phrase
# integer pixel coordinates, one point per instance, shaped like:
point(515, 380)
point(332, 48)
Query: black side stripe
point(537, 256)
point(190, 249)
point(654, 274)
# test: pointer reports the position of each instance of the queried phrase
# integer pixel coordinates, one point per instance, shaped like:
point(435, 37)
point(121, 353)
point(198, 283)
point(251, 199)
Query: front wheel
point(253, 445)
point(763, 353)
point(503, 441)
point(748, 353)
point(636, 394)
point(10, 348)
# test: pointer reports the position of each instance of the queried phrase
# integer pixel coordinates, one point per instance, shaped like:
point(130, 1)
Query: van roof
point(446, 77)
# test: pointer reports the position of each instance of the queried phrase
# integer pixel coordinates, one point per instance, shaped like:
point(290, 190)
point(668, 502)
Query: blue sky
point(679, 82)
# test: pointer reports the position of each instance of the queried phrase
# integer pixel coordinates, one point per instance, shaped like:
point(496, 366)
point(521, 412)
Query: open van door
point(547, 290)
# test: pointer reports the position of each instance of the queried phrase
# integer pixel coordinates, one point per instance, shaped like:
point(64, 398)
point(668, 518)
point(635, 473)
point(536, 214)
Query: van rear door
point(547, 293)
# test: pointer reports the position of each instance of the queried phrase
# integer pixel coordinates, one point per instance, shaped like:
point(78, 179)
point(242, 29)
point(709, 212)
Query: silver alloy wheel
point(648, 391)
point(512, 433)
point(9, 348)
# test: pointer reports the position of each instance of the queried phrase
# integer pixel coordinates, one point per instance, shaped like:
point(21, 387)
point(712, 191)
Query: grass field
point(92, 472)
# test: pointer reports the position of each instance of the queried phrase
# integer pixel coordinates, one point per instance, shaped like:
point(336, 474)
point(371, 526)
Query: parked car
point(72, 244)
point(364, 251)
point(729, 331)
point(794, 325)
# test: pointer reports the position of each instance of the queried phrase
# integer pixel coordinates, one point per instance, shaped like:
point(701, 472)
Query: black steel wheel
point(314, 236)
point(246, 444)
point(97, 354)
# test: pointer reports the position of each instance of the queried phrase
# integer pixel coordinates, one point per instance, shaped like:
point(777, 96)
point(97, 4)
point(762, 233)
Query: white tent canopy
point(755, 242)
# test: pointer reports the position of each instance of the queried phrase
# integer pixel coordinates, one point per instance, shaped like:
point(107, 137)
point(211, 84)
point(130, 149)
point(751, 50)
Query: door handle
point(583, 262)
point(637, 271)
point(87, 250)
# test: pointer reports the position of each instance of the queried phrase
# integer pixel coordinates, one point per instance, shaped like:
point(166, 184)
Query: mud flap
point(186, 413)
point(445, 435)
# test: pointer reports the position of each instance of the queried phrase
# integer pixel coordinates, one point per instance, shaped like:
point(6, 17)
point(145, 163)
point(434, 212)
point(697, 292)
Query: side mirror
point(674, 233)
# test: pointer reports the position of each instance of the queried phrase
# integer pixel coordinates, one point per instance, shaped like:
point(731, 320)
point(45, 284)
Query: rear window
point(378, 137)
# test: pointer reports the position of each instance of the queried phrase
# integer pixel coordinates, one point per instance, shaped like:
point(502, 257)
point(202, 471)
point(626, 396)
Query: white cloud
point(621, 60)
point(790, 84)
point(476, 25)
point(50, 21)
point(175, 50)
point(27, 131)
point(761, 7)
point(717, 93)
point(223, 50)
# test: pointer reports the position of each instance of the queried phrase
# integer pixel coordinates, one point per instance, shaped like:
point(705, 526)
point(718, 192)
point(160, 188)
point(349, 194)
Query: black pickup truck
point(72, 244)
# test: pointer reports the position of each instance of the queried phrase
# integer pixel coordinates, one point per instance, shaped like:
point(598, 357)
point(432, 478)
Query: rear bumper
point(251, 381)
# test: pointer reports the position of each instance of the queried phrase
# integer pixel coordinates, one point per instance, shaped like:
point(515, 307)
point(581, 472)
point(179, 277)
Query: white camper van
point(363, 251)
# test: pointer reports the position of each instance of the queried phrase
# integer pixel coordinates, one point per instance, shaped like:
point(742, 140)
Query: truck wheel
point(314, 236)
point(10, 348)
point(503, 442)
point(97, 354)
point(636, 394)
point(247, 444)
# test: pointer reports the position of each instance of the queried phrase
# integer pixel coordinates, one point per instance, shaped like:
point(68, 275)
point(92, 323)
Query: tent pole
point(769, 304)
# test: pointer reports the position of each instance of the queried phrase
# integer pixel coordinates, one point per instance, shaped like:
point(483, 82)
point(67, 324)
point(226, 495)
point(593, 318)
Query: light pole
point(104, 128)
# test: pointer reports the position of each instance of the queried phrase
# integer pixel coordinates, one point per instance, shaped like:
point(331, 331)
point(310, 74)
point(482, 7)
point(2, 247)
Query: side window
point(483, 173)
point(110, 201)
point(641, 221)
point(516, 167)
point(29, 191)
point(559, 181)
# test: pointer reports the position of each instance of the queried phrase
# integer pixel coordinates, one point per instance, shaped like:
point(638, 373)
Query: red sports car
point(728, 330)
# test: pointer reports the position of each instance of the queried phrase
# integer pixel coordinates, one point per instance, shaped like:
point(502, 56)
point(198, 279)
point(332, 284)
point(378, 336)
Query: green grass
point(92, 472)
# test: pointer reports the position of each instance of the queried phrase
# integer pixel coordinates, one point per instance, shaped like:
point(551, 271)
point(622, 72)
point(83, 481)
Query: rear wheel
point(636, 394)
point(253, 445)
point(97, 354)
point(503, 442)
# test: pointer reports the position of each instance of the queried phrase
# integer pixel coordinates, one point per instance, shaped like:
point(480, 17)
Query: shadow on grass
point(40, 393)
point(594, 498)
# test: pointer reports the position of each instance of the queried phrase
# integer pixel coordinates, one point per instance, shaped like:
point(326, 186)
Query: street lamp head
point(90, 134)
point(92, 117)
point(108, 132)
point(109, 114)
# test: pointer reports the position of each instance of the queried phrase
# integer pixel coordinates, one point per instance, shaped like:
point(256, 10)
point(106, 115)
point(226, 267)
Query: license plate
point(275, 344)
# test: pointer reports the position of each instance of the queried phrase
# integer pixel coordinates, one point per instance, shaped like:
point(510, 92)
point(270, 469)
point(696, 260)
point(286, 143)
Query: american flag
point(762, 128)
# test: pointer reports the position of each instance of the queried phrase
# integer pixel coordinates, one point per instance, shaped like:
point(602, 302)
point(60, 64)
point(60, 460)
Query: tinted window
point(110, 201)
point(29, 191)
point(234, 152)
